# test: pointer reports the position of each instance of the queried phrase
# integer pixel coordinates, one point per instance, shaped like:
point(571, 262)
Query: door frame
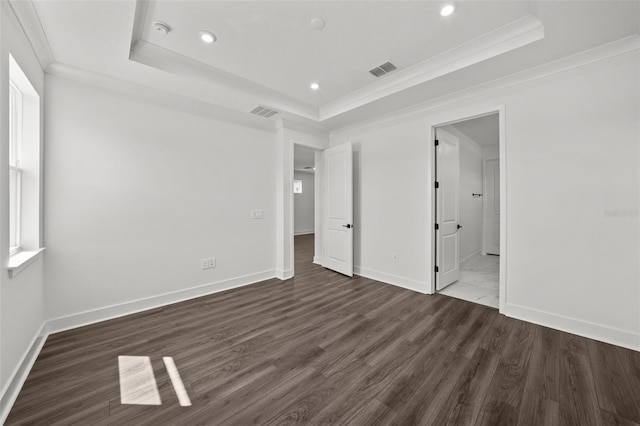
point(452, 117)
point(485, 204)
point(288, 135)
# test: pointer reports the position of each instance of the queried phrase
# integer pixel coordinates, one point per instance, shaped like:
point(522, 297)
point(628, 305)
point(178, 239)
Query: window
point(15, 170)
point(297, 187)
point(25, 198)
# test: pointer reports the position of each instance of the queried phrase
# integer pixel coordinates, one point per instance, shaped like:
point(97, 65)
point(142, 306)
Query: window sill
point(22, 259)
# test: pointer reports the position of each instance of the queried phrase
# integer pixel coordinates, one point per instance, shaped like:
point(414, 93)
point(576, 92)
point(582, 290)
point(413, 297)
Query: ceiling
point(482, 130)
point(267, 53)
point(273, 44)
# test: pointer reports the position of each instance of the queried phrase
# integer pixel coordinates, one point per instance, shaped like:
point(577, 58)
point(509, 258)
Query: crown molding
point(491, 88)
point(162, 98)
point(285, 123)
point(26, 14)
point(166, 60)
point(509, 37)
point(155, 56)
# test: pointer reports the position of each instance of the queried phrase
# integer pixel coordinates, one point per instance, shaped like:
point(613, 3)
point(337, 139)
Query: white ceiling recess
point(482, 130)
point(267, 53)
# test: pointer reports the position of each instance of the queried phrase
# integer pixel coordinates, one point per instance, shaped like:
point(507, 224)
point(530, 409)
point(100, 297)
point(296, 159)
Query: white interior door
point(338, 230)
point(448, 208)
point(492, 206)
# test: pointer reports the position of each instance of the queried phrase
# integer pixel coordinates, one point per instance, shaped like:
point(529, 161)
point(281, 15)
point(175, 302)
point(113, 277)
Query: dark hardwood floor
point(323, 348)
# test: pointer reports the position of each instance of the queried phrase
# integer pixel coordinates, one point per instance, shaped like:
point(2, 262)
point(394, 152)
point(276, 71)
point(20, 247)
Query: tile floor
point(478, 282)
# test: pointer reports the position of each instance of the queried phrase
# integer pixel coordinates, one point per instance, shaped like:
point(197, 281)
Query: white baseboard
point(284, 275)
point(468, 257)
point(614, 336)
point(13, 387)
point(128, 308)
point(317, 260)
point(398, 281)
point(19, 376)
point(307, 232)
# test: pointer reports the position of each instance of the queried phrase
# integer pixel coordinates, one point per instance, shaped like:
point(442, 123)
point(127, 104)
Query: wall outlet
point(395, 257)
point(208, 263)
point(256, 214)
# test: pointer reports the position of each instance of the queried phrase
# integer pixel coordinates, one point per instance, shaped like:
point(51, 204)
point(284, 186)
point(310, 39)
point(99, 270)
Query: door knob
point(459, 227)
point(348, 225)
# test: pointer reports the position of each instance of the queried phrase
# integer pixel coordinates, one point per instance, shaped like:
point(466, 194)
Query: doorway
point(467, 209)
point(304, 205)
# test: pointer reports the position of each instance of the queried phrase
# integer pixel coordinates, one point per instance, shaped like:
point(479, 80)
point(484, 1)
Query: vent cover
point(383, 69)
point(263, 111)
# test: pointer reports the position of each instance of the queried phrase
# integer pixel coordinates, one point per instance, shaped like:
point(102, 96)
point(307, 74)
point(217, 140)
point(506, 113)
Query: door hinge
point(437, 142)
point(437, 227)
point(437, 184)
point(436, 269)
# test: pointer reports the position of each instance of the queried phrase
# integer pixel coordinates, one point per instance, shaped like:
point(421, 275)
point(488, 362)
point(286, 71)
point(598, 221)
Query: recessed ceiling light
point(207, 37)
point(447, 9)
point(314, 86)
point(318, 23)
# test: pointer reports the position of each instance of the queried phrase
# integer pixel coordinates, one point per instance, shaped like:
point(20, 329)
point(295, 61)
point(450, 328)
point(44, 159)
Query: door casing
point(452, 117)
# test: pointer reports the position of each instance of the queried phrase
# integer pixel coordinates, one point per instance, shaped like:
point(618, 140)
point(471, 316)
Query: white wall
point(21, 297)
point(138, 194)
point(391, 173)
point(571, 155)
point(303, 205)
point(470, 236)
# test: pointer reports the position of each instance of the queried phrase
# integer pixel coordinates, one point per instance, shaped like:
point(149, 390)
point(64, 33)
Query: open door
point(447, 208)
point(338, 227)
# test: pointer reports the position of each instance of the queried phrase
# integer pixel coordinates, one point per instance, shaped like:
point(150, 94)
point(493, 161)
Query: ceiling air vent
point(383, 69)
point(263, 111)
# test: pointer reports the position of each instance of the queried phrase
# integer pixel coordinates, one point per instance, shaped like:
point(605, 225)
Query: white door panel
point(339, 223)
point(448, 208)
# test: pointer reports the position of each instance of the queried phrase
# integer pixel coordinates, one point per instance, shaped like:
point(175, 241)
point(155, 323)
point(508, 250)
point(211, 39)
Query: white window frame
point(25, 165)
point(15, 160)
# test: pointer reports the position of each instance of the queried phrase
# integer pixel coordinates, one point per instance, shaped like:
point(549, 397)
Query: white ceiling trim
point(26, 15)
point(160, 58)
point(509, 37)
point(491, 89)
point(162, 98)
point(155, 56)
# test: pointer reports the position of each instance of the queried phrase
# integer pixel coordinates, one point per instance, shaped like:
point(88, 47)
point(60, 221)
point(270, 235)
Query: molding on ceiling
point(284, 123)
point(27, 16)
point(490, 89)
point(516, 34)
point(162, 98)
point(166, 60)
point(155, 56)
point(506, 38)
